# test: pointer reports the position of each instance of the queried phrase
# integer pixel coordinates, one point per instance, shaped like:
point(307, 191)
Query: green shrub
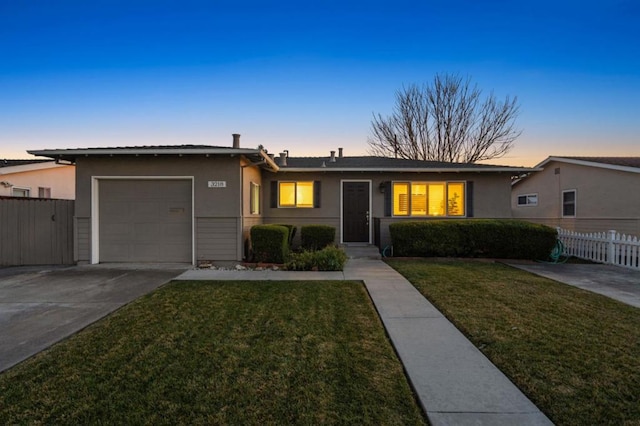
point(317, 237)
point(494, 238)
point(330, 258)
point(270, 243)
point(292, 232)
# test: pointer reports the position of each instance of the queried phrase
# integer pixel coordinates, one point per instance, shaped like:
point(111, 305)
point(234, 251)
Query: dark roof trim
point(410, 169)
point(141, 150)
point(594, 162)
point(13, 163)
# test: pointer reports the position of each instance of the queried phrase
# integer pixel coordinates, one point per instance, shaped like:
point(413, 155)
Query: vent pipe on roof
point(236, 140)
point(283, 159)
point(333, 157)
point(339, 152)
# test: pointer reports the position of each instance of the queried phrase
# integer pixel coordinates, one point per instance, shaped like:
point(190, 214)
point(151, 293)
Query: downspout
point(240, 242)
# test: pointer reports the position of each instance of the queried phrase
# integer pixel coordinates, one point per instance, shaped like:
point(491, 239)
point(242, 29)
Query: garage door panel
point(145, 220)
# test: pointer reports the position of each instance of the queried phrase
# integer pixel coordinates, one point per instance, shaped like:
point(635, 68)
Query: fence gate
point(36, 231)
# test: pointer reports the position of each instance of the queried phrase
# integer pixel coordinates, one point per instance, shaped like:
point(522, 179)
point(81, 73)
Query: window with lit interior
point(429, 199)
point(254, 200)
point(295, 194)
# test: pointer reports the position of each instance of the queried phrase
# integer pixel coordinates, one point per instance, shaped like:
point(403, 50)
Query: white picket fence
point(604, 247)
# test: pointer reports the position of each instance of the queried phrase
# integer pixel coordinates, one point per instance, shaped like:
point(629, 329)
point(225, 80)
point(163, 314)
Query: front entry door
point(355, 212)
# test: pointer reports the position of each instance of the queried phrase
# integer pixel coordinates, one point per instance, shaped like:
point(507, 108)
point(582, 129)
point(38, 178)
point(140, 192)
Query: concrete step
point(367, 251)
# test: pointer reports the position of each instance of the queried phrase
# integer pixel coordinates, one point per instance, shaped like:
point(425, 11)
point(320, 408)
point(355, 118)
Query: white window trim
point(446, 183)
point(296, 206)
point(95, 204)
point(257, 207)
point(527, 204)
point(22, 188)
point(575, 202)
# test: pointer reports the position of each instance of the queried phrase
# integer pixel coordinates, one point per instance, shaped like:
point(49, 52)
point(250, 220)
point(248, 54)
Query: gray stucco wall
point(491, 199)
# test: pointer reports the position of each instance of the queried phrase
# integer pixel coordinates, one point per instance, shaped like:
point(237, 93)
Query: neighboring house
point(197, 203)
point(583, 194)
point(37, 179)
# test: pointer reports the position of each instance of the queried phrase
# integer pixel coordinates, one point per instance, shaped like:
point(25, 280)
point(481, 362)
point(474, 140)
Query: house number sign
point(217, 184)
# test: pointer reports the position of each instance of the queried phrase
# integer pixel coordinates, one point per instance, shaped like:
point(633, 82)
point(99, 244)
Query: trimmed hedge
point(494, 238)
point(270, 243)
point(317, 237)
point(292, 232)
point(330, 258)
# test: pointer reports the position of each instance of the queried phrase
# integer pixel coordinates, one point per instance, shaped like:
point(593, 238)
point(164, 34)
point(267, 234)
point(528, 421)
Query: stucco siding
point(491, 197)
point(605, 199)
point(623, 226)
point(59, 178)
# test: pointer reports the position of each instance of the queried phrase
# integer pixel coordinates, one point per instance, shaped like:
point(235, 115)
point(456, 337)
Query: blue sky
point(307, 76)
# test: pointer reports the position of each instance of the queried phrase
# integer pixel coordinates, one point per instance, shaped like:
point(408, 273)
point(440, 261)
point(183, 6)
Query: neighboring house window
point(569, 203)
point(295, 194)
point(428, 198)
point(528, 200)
point(44, 192)
point(254, 201)
point(20, 192)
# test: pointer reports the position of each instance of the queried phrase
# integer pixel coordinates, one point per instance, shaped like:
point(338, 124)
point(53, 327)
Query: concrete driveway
point(41, 306)
point(615, 282)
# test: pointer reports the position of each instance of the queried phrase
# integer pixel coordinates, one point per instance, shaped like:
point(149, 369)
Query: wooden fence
point(604, 247)
point(36, 231)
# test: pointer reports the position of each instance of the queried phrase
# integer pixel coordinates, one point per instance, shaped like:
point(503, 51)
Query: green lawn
point(575, 354)
point(221, 353)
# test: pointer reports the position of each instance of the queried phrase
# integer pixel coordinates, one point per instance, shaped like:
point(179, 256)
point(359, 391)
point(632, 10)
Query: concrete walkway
point(618, 283)
point(455, 383)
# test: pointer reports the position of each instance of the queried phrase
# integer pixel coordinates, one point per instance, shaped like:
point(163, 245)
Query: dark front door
point(355, 212)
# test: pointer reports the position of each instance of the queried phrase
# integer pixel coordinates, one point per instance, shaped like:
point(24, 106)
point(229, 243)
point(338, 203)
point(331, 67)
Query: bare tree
point(445, 121)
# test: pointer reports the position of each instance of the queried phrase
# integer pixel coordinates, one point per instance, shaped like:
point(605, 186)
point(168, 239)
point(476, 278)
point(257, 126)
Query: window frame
point(527, 203)
point(446, 184)
point(295, 192)
point(255, 200)
point(27, 191)
point(575, 202)
point(44, 192)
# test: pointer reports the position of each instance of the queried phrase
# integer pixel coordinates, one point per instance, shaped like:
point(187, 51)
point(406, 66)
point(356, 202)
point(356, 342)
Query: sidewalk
point(455, 383)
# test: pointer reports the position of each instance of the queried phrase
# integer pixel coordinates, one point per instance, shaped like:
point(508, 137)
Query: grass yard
point(574, 353)
point(221, 353)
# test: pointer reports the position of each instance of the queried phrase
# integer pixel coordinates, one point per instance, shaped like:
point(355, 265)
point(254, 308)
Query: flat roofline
point(55, 153)
point(410, 169)
point(589, 163)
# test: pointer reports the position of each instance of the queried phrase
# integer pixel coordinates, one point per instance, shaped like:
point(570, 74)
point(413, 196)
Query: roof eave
point(409, 169)
point(589, 164)
point(73, 153)
point(30, 167)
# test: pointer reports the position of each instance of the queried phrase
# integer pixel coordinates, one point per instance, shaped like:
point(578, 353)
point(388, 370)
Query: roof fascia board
point(136, 151)
point(30, 167)
point(409, 169)
point(269, 161)
point(590, 164)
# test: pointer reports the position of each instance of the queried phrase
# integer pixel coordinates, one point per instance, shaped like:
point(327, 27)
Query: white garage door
point(145, 220)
